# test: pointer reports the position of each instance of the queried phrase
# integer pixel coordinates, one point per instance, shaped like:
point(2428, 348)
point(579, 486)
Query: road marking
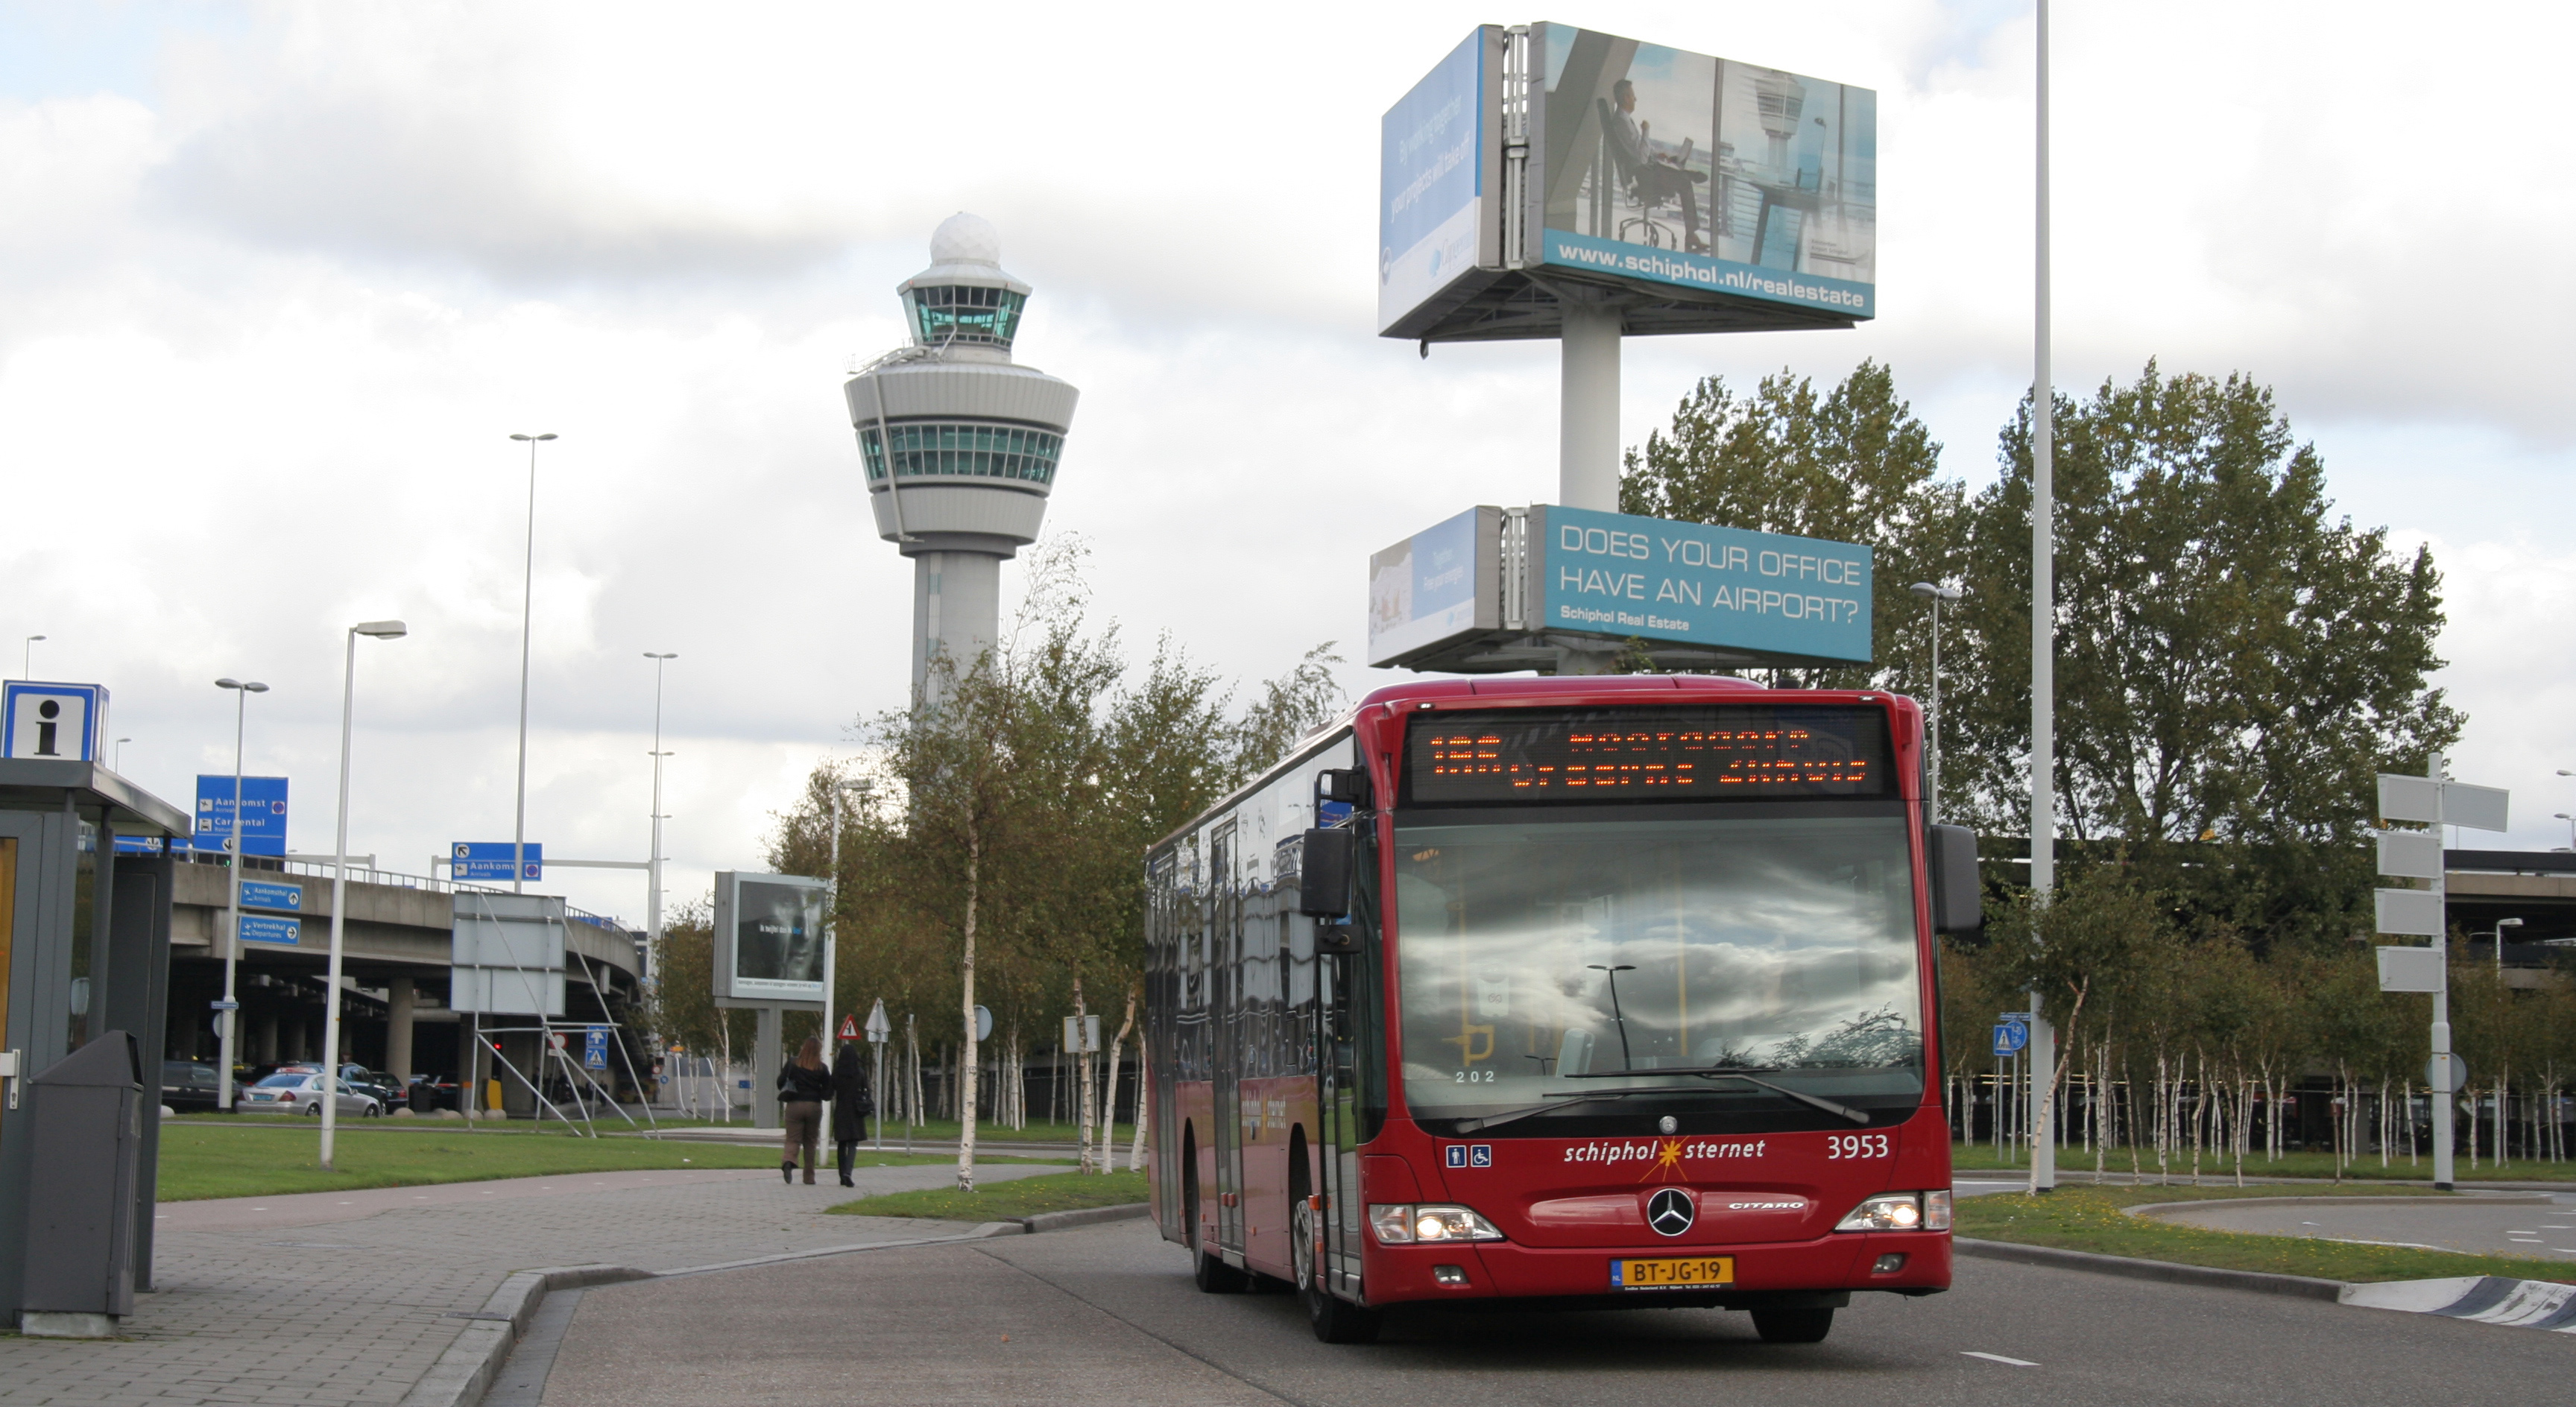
point(1997, 1358)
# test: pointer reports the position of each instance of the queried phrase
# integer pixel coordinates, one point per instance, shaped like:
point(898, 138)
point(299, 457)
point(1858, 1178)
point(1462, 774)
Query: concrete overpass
point(396, 943)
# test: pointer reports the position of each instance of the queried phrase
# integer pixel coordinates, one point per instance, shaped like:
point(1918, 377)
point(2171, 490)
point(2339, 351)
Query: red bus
point(1562, 992)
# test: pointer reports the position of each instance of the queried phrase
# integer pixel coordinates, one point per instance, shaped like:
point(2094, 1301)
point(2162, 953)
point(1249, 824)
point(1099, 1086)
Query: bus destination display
point(1712, 754)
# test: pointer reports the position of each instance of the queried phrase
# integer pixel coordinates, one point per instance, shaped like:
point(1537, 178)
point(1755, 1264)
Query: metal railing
point(322, 869)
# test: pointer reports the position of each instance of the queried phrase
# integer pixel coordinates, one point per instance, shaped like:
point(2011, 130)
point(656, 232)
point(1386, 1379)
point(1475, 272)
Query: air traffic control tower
point(960, 443)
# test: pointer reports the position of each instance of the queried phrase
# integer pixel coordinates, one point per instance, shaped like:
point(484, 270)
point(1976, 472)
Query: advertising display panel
point(1435, 210)
point(1433, 587)
point(769, 939)
point(1793, 599)
point(1671, 167)
point(507, 954)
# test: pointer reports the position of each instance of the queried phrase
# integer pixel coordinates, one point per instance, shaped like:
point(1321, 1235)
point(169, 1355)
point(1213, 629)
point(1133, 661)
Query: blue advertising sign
point(263, 804)
point(490, 859)
point(1433, 586)
point(1431, 182)
point(1791, 598)
point(61, 721)
point(259, 928)
point(594, 1048)
point(272, 896)
point(2011, 1037)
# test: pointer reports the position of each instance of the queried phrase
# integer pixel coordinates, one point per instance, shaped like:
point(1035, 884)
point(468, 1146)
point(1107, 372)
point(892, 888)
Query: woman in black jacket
point(803, 1085)
point(851, 1106)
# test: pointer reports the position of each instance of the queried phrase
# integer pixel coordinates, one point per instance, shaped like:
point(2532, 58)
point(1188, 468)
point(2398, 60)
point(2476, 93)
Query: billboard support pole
point(1588, 415)
point(2043, 641)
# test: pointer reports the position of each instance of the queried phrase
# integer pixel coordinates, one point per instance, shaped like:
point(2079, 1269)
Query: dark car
point(431, 1093)
point(190, 1086)
point(388, 1091)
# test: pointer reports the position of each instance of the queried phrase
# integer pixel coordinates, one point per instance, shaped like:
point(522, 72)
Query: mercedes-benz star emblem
point(1670, 1211)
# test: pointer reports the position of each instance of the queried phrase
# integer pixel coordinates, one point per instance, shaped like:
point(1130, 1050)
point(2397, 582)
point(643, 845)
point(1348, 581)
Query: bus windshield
point(1544, 958)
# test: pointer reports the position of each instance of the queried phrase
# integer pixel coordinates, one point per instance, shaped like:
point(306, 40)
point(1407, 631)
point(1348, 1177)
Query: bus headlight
point(1407, 1223)
point(1900, 1211)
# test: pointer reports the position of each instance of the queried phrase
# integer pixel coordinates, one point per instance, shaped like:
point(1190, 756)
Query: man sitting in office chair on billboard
point(1652, 179)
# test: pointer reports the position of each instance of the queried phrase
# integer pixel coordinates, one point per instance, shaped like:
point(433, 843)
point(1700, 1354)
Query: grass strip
point(235, 1159)
point(1981, 1157)
point(2096, 1219)
point(1027, 1196)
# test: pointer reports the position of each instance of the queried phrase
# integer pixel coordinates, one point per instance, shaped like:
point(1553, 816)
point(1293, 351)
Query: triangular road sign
point(849, 1028)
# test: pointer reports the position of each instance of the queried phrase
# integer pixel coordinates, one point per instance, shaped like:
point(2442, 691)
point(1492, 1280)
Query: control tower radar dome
point(959, 442)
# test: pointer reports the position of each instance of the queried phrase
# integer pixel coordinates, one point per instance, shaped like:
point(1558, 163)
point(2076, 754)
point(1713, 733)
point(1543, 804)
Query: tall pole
point(2447, 1096)
point(380, 630)
point(2043, 643)
point(27, 657)
point(527, 609)
point(653, 857)
point(230, 1012)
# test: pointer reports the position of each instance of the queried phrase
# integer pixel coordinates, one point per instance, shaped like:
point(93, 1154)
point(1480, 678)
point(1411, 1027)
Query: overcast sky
point(278, 281)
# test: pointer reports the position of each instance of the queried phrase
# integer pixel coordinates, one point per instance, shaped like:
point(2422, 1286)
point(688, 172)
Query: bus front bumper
point(1903, 1262)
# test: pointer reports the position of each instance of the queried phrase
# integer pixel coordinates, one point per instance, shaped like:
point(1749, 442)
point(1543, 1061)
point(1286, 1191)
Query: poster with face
point(776, 930)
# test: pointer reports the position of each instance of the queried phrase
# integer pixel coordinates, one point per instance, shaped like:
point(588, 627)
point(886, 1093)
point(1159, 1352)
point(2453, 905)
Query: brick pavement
point(323, 1305)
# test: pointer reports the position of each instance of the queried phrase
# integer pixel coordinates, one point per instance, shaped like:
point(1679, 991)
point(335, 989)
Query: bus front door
point(1225, 975)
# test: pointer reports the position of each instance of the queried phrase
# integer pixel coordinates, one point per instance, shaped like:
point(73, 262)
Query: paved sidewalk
point(349, 1297)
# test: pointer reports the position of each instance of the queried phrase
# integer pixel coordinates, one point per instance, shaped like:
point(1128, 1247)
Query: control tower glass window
point(960, 314)
point(923, 449)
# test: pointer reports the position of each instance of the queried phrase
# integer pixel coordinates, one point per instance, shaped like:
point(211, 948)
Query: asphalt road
point(2517, 1228)
point(1108, 1315)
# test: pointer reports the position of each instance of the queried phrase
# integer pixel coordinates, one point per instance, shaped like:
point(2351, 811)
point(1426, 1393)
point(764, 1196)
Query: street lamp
point(653, 857)
point(230, 1011)
point(1936, 595)
point(2571, 827)
point(27, 655)
point(832, 918)
point(118, 765)
point(374, 630)
point(2498, 935)
point(527, 604)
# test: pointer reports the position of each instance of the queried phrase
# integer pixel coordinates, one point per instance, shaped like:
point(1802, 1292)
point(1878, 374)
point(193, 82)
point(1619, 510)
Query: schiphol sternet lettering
point(1694, 555)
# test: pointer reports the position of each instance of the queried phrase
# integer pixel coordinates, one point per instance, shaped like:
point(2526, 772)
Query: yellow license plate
point(1674, 1274)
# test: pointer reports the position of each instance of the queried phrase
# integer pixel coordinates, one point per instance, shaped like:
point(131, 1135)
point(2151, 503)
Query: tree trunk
point(1109, 1094)
point(1082, 1081)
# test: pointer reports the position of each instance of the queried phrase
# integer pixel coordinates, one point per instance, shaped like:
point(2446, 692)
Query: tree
point(2234, 661)
point(1851, 465)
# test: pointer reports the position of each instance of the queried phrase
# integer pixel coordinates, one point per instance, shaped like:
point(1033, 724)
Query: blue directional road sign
point(2011, 1037)
point(490, 859)
point(272, 896)
point(263, 804)
point(259, 928)
point(594, 1048)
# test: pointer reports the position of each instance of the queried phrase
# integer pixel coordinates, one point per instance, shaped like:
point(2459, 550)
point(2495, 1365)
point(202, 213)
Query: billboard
point(1720, 195)
point(1670, 167)
point(1780, 597)
point(1433, 585)
point(507, 954)
point(1434, 208)
point(770, 931)
point(263, 820)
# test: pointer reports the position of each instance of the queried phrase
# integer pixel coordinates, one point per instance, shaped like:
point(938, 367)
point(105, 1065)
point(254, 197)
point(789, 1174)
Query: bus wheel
point(1793, 1325)
point(1335, 1320)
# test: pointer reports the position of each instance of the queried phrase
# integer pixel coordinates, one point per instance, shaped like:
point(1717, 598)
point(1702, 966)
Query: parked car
point(387, 1090)
point(190, 1086)
point(293, 1092)
point(430, 1093)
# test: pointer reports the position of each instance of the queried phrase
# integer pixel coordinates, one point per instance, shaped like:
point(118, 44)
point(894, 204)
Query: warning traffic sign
point(849, 1028)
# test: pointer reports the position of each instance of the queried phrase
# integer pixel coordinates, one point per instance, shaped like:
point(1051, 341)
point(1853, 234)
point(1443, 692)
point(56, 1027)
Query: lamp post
point(832, 914)
point(118, 765)
point(653, 857)
point(1936, 595)
point(231, 1009)
point(527, 605)
point(27, 657)
point(2571, 827)
point(374, 630)
point(2498, 935)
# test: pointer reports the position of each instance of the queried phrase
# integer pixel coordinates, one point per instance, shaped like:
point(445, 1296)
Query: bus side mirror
point(1324, 873)
point(1958, 896)
point(1347, 785)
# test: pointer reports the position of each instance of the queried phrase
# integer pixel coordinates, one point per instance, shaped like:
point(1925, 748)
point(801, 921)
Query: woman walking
point(851, 1106)
point(803, 1085)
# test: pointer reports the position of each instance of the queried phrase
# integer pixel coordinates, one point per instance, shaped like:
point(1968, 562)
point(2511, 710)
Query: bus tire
point(1793, 1325)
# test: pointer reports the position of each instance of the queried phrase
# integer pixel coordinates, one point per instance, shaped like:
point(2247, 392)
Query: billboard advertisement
point(506, 954)
point(1434, 201)
point(1670, 167)
point(1433, 586)
point(770, 931)
point(263, 819)
point(1786, 598)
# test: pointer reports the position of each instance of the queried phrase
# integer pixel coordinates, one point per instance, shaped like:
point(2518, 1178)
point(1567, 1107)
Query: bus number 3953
point(1857, 1145)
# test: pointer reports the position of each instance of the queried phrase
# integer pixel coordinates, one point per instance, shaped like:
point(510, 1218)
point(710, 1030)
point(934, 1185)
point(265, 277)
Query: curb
point(465, 1371)
point(2259, 1281)
point(1087, 1216)
point(2158, 1209)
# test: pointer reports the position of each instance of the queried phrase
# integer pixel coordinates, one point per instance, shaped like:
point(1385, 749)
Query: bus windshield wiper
point(1746, 1074)
point(1467, 1126)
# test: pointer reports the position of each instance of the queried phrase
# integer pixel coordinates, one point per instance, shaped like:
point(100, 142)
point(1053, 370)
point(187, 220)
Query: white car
point(290, 1093)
